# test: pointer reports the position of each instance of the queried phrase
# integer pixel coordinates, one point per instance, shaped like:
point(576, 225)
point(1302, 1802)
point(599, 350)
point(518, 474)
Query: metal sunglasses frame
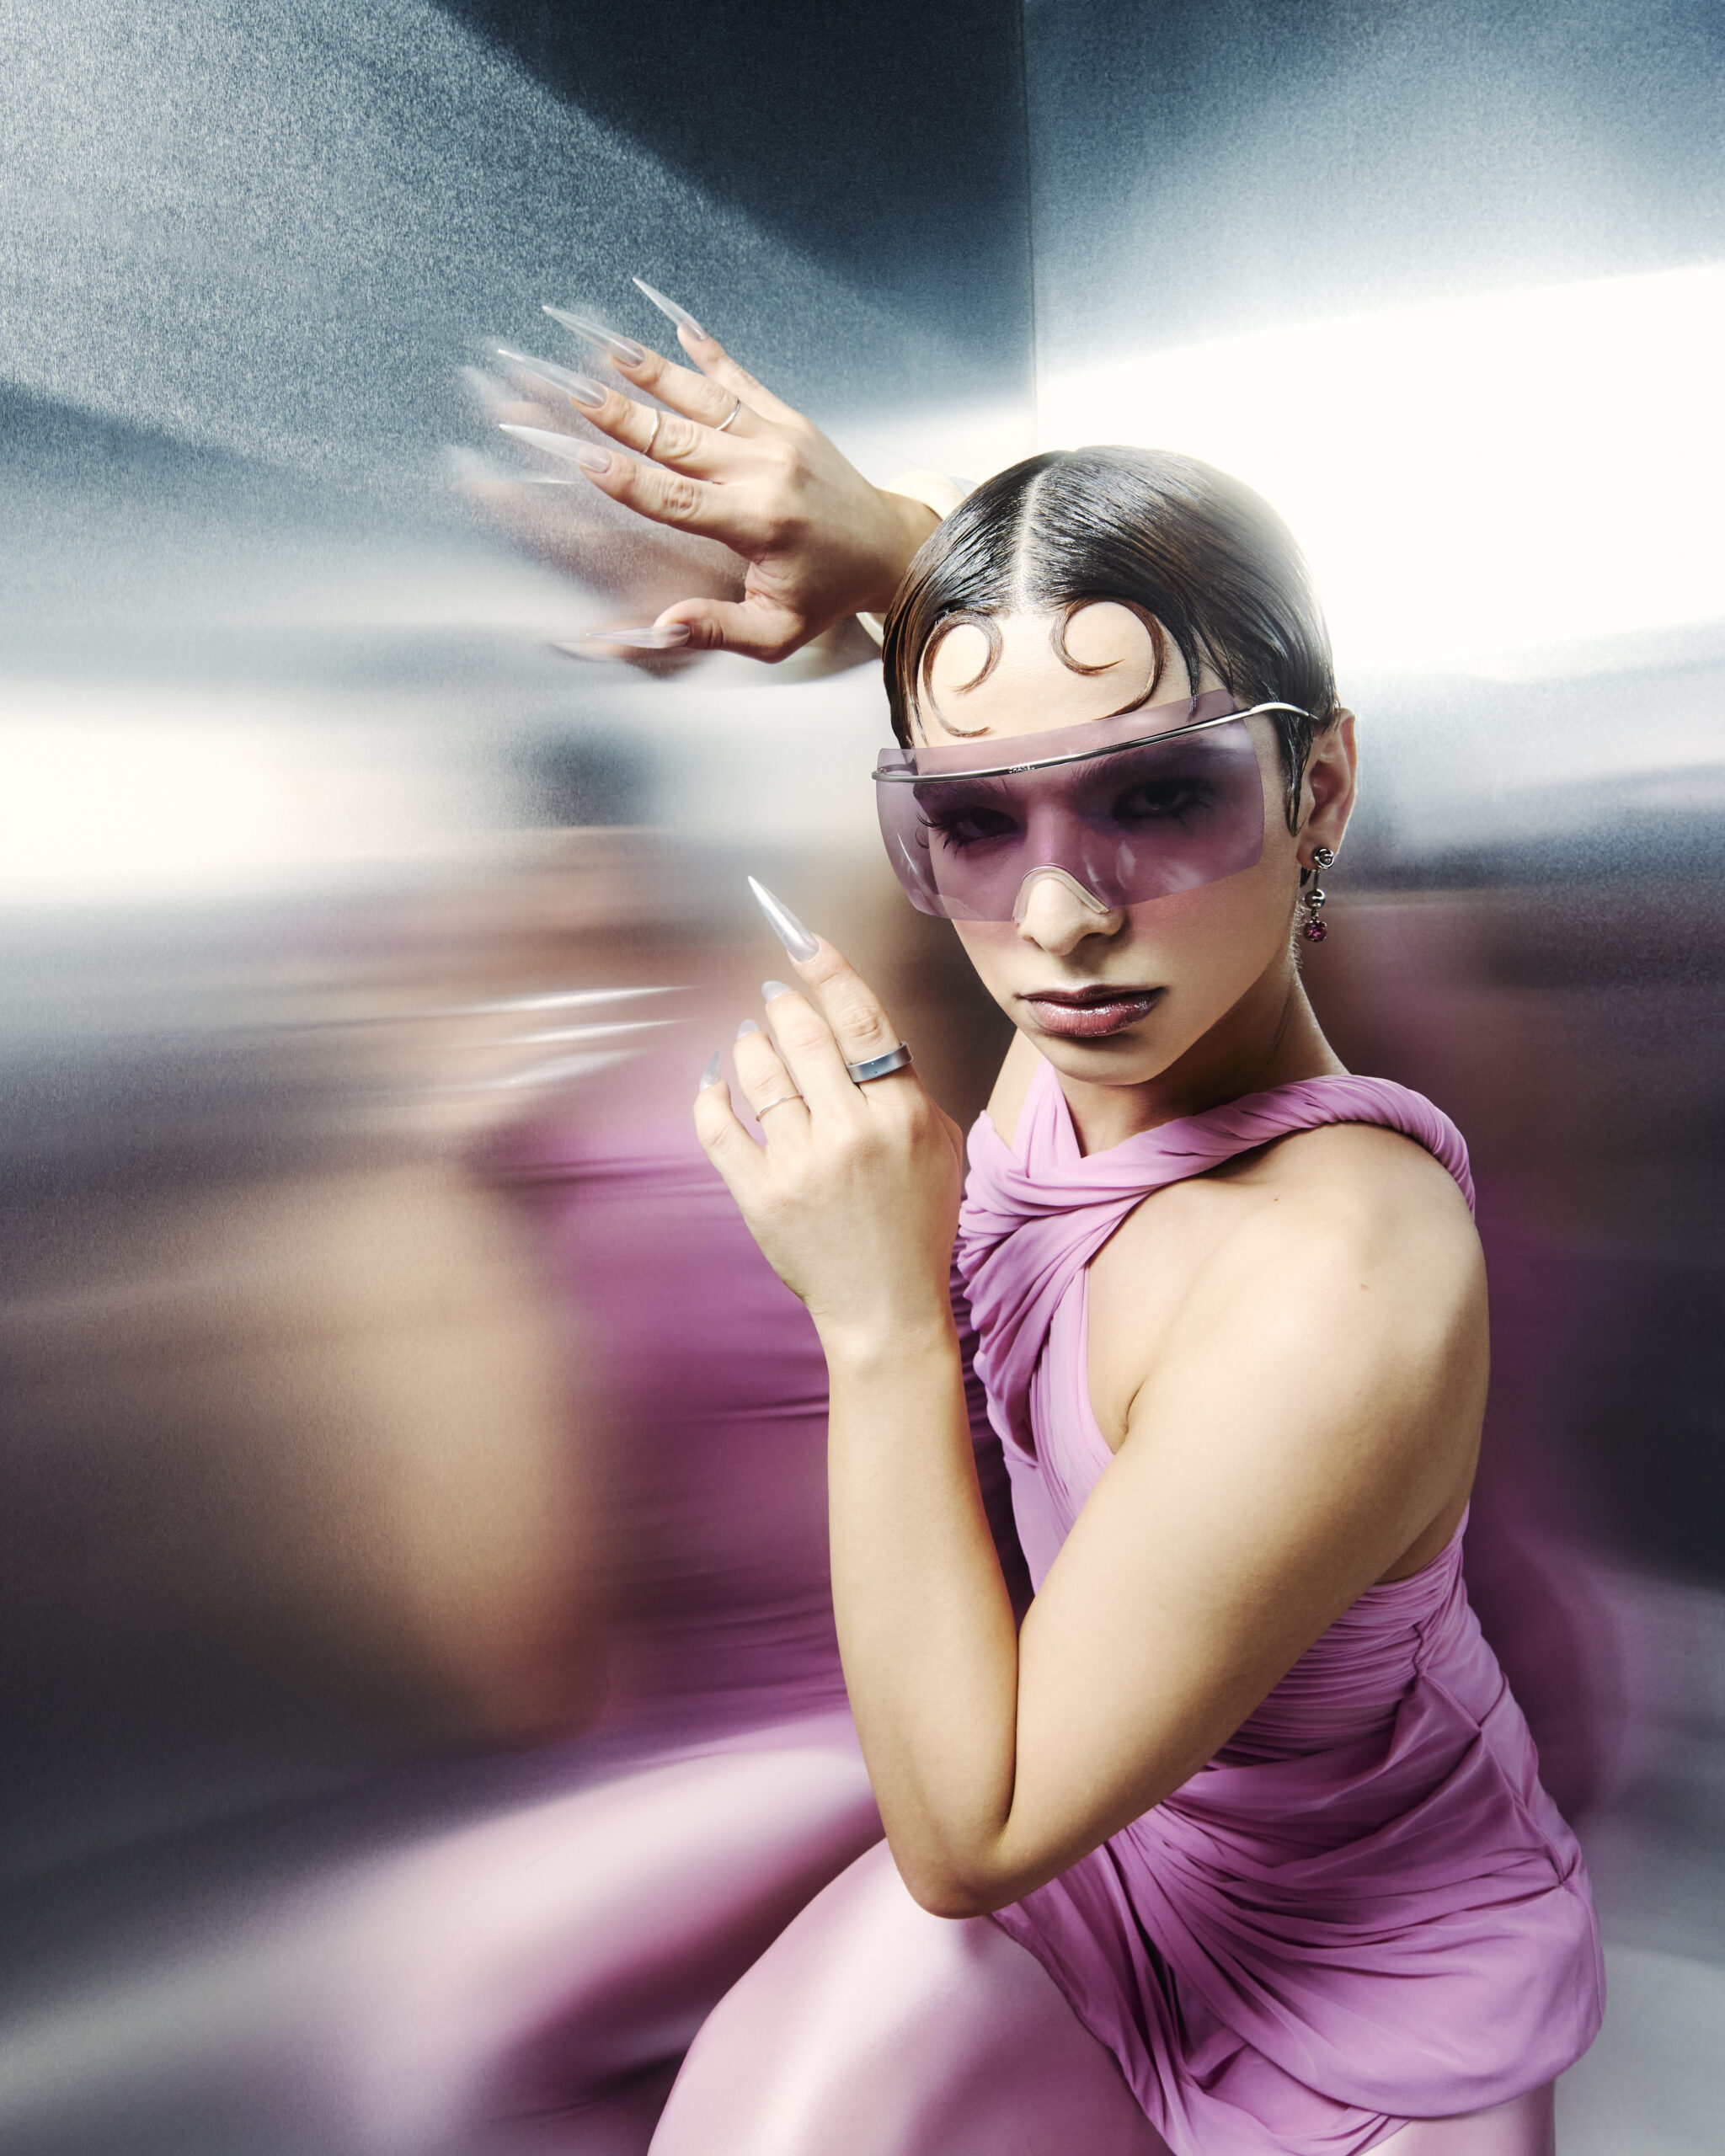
point(1081, 755)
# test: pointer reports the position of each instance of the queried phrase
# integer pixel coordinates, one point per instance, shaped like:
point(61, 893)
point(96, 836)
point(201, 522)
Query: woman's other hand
point(853, 1195)
point(726, 460)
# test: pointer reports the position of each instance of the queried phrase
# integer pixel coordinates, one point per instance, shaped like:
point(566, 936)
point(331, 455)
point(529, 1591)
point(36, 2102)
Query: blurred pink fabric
point(1365, 1910)
point(713, 1388)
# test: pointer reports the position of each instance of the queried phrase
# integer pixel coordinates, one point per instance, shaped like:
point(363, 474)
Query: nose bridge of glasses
point(1049, 871)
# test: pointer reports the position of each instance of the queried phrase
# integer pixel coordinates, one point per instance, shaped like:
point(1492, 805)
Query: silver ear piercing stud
point(1315, 930)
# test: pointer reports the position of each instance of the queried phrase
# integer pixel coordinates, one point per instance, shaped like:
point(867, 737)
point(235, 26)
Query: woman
point(1237, 1843)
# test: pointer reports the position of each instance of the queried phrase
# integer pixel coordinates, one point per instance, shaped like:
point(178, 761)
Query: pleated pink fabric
point(1365, 1909)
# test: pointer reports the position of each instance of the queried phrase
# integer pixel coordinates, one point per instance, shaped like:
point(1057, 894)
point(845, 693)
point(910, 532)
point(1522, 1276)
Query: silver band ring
point(654, 437)
point(783, 1100)
point(728, 417)
point(879, 1066)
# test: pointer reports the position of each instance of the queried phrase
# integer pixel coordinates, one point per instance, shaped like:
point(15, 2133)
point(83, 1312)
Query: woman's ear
point(1327, 790)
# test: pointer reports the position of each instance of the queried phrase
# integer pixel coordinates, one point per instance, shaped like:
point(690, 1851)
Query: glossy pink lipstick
point(1092, 1013)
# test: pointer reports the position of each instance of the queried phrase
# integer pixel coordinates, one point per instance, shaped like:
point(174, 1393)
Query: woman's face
point(1117, 998)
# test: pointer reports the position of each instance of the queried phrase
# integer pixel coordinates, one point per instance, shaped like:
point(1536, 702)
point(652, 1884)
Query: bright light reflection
point(1469, 477)
point(130, 796)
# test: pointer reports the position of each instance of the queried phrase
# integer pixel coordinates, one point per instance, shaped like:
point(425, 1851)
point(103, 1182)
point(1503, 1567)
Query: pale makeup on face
point(1114, 1000)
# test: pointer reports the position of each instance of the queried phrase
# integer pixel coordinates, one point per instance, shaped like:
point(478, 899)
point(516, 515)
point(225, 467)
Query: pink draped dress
point(1365, 1909)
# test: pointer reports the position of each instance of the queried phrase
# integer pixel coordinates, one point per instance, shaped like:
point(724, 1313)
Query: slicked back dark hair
point(1181, 543)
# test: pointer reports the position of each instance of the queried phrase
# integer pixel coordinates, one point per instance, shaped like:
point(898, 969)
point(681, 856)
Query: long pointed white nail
point(669, 638)
point(595, 332)
point(680, 315)
point(581, 388)
point(785, 925)
point(564, 445)
point(709, 1076)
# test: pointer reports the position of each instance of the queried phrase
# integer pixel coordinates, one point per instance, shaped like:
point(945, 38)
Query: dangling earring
point(1315, 931)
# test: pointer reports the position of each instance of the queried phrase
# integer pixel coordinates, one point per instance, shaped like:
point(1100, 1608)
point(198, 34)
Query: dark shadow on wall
point(888, 140)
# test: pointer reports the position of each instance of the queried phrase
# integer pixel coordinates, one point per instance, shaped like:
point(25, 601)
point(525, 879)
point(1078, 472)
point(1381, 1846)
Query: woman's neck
point(1270, 1038)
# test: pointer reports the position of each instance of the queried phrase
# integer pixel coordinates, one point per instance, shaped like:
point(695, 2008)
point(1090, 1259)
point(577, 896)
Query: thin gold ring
point(720, 428)
point(783, 1100)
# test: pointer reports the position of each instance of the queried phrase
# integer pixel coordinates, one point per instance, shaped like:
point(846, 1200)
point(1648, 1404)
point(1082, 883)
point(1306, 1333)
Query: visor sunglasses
point(1137, 813)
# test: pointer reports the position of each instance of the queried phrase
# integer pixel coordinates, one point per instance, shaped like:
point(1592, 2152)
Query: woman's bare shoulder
point(1290, 1236)
point(1362, 1219)
point(1353, 1179)
point(1319, 1309)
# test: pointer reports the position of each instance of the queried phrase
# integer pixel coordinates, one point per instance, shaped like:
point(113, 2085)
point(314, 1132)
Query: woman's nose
point(1056, 913)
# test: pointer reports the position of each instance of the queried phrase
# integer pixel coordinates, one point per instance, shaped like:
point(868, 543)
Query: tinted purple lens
point(1136, 820)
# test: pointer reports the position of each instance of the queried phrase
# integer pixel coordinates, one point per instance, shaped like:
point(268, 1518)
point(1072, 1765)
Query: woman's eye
point(974, 825)
point(1162, 801)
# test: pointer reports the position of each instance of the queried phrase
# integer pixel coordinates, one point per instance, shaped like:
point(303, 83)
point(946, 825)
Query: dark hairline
point(1179, 526)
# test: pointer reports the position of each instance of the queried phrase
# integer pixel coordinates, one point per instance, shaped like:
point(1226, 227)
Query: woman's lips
point(1091, 1014)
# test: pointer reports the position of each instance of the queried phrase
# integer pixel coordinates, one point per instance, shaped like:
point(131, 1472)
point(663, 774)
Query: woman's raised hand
point(726, 460)
point(853, 1195)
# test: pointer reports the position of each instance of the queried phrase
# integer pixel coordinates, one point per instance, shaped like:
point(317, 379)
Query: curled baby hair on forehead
point(988, 627)
point(960, 618)
point(1204, 562)
point(1158, 649)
